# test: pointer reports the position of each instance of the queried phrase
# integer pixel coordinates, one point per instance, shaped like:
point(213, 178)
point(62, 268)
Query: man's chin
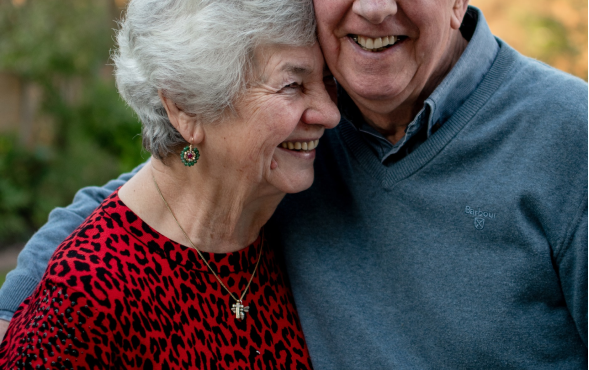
point(374, 87)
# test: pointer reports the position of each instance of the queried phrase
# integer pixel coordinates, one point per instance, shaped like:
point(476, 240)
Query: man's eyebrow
point(297, 69)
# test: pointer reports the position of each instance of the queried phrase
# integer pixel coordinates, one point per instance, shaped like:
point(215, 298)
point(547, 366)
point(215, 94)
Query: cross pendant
point(239, 310)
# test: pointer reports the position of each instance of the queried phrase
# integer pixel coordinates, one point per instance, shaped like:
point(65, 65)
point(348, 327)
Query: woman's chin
point(295, 183)
point(293, 171)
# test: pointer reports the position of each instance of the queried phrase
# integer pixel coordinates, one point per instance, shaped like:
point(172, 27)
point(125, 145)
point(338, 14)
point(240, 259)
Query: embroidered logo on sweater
point(479, 216)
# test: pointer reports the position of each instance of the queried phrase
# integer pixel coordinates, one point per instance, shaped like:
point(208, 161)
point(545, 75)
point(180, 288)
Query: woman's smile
point(301, 150)
point(297, 145)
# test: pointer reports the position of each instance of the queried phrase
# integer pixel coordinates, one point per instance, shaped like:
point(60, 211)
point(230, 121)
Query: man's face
point(387, 53)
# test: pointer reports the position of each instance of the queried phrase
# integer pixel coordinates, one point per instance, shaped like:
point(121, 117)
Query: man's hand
point(3, 328)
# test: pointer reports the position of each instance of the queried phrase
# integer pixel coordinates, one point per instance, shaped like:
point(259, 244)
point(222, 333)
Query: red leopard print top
point(119, 295)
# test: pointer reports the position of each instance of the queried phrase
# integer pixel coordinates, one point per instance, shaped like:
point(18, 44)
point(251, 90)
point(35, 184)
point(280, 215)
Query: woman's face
point(285, 110)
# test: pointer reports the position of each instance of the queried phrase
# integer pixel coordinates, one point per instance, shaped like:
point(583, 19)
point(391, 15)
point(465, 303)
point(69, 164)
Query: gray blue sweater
point(468, 252)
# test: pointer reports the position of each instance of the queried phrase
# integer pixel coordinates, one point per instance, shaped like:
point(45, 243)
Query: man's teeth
point(374, 44)
point(298, 145)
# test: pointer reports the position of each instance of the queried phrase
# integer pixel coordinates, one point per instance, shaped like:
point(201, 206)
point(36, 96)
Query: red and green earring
point(189, 155)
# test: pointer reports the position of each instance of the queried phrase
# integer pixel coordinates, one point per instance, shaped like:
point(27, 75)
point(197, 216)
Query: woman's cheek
point(294, 114)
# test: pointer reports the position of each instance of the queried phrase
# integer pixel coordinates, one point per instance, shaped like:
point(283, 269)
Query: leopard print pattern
point(119, 295)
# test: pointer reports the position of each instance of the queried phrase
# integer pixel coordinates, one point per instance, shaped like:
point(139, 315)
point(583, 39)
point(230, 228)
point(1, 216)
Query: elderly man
point(447, 225)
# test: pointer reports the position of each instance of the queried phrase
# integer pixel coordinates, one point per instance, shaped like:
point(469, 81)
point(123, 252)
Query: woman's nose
point(374, 11)
point(323, 111)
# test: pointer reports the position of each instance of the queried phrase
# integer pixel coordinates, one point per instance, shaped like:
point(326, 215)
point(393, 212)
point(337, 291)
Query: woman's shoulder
point(88, 296)
point(103, 249)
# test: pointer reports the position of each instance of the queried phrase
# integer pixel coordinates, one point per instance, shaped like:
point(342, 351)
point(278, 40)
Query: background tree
point(59, 50)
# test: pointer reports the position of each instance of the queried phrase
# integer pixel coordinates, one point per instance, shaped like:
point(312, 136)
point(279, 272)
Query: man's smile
point(377, 44)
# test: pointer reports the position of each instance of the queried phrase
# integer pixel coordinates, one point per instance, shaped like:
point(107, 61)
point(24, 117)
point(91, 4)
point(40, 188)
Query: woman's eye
point(290, 86)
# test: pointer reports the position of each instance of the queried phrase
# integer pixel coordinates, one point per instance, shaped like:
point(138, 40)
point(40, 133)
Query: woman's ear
point(185, 123)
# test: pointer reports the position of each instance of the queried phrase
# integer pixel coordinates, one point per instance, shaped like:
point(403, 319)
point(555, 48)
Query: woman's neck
point(219, 214)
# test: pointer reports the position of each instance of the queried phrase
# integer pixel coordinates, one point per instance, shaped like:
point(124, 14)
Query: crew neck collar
point(222, 263)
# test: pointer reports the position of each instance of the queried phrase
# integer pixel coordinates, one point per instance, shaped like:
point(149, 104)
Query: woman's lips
point(301, 154)
point(300, 145)
point(303, 149)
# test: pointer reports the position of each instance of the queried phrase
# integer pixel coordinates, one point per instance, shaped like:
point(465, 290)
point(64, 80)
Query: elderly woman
point(172, 270)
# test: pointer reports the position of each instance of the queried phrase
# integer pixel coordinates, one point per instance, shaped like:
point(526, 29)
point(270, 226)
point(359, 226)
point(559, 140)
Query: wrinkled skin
point(390, 86)
point(3, 328)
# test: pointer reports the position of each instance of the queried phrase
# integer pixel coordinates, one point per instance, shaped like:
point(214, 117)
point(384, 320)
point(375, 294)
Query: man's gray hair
point(199, 53)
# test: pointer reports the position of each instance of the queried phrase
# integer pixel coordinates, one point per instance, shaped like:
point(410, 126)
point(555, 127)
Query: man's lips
point(377, 44)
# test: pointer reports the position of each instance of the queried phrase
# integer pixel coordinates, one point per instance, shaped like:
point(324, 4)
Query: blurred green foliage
point(53, 43)
point(43, 38)
point(3, 277)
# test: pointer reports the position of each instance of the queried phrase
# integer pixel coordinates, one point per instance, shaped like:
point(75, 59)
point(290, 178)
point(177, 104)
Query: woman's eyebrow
point(296, 69)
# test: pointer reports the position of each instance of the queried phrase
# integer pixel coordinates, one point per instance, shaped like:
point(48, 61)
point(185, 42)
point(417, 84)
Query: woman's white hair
point(199, 54)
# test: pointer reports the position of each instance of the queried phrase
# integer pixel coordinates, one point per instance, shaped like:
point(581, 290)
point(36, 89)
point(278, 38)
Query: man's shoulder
point(534, 82)
point(548, 105)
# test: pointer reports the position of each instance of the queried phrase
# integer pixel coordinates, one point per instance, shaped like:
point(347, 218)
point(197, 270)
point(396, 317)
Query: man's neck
point(392, 123)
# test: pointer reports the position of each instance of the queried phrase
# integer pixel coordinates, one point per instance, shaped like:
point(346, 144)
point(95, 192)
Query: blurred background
point(63, 126)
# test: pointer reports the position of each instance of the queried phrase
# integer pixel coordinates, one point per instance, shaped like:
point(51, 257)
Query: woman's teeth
point(300, 145)
point(377, 44)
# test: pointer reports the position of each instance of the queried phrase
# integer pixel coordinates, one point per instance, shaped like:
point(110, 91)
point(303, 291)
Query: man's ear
point(187, 124)
point(458, 11)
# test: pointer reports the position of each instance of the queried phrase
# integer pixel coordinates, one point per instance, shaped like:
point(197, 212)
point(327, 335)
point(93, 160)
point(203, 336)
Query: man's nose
point(375, 11)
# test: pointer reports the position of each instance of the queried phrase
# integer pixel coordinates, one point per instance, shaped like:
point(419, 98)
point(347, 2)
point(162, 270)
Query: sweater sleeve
point(571, 261)
point(33, 259)
point(53, 329)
